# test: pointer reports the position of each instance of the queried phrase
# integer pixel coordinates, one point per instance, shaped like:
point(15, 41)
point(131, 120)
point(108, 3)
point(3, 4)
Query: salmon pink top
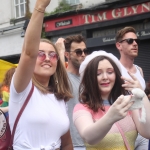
point(113, 139)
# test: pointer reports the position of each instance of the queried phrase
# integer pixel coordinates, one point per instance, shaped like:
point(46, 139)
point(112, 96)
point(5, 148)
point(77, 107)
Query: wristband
point(39, 10)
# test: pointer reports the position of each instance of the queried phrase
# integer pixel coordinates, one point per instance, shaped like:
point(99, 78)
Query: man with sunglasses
point(127, 43)
point(75, 52)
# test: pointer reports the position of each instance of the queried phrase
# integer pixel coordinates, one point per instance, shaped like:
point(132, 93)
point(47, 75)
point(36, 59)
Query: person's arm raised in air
point(30, 48)
point(93, 132)
point(143, 128)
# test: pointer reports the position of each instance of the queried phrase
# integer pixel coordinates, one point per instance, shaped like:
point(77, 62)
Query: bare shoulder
point(141, 70)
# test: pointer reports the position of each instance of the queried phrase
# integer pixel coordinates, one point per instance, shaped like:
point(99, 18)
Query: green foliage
point(28, 13)
point(62, 7)
point(43, 33)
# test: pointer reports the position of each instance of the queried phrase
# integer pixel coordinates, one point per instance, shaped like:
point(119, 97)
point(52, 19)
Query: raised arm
point(30, 48)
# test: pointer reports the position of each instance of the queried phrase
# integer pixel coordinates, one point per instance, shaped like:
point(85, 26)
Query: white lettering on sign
point(144, 33)
point(63, 23)
point(116, 13)
point(95, 17)
point(86, 18)
point(146, 6)
point(101, 17)
point(134, 8)
point(109, 39)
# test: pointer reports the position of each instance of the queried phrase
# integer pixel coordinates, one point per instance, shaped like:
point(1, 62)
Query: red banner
point(99, 16)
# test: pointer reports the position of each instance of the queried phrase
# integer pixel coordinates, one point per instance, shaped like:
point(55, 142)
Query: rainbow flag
point(4, 66)
point(5, 96)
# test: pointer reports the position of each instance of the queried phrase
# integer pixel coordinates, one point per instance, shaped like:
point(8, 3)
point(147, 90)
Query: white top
point(137, 75)
point(42, 123)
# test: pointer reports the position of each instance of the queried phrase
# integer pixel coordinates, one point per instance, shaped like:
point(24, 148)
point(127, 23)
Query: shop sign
point(99, 16)
point(140, 34)
point(63, 23)
point(143, 34)
point(106, 40)
point(117, 13)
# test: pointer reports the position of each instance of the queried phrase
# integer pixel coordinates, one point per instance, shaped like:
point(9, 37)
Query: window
point(20, 8)
point(72, 2)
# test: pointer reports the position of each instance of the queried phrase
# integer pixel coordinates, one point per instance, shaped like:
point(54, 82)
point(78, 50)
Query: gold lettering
point(86, 17)
point(134, 8)
point(116, 13)
point(101, 17)
point(126, 12)
point(146, 6)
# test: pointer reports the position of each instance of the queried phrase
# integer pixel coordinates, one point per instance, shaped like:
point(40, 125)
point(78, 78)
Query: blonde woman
point(44, 124)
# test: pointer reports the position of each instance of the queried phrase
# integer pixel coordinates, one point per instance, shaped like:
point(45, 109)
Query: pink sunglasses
point(53, 56)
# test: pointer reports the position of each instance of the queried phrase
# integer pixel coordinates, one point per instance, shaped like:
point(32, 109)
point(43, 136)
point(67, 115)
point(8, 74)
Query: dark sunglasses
point(130, 41)
point(53, 56)
point(79, 52)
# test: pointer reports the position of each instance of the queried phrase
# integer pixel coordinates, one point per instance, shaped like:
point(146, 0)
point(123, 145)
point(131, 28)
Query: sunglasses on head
point(130, 41)
point(79, 52)
point(53, 56)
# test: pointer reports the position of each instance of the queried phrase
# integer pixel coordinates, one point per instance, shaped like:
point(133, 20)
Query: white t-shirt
point(137, 75)
point(42, 123)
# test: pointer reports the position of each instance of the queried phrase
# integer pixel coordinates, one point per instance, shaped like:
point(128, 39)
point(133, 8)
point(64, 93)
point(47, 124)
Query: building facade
point(98, 21)
point(100, 24)
point(12, 20)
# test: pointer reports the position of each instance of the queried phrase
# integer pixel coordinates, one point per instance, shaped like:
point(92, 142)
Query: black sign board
point(108, 40)
point(63, 23)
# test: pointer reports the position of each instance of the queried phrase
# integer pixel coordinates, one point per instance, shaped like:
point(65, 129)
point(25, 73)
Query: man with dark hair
point(74, 49)
point(127, 44)
point(75, 52)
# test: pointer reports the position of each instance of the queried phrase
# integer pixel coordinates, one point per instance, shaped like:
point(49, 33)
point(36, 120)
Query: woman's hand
point(131, 83)
point(42, 4)
point(120, 108)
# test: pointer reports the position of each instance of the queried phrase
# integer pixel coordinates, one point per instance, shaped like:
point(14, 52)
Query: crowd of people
point(84, 105)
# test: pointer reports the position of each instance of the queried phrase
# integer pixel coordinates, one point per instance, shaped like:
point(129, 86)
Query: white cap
point(95, 54)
